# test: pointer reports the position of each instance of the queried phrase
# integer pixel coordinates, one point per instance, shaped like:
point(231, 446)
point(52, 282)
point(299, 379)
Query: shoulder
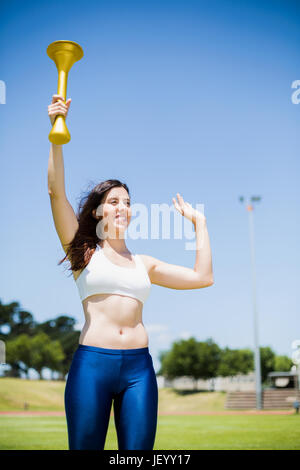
point(149, 261)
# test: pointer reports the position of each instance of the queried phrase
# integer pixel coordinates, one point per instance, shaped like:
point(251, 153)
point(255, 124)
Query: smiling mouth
point(121, 218)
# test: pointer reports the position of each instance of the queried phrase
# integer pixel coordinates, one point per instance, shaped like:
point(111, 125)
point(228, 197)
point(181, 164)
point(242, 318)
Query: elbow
point(54, 194)
point(207, 282)
point(50, 188)
point(51, 193)
point(204, 280)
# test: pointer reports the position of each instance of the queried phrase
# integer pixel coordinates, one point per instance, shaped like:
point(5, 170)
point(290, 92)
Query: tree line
point(29, 344)
point(51, 344)
point(206, 360)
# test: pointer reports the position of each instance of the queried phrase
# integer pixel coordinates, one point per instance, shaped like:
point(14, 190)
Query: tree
point(283, 364)
point(57, 327)
point(5, 314)
point(235, 361)
point(37, 352)
point(191, 358)
point(16, 320)
point(210, 357)
point(267, 361)
point(69, 343)
point(18, 355)
point(62, 329)
point(161, 357)
point(45, 353)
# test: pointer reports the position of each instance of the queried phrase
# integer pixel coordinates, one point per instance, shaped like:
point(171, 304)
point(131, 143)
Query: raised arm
point(56, 172)
point(64, 217)
point(56, 175)
point(181, 277)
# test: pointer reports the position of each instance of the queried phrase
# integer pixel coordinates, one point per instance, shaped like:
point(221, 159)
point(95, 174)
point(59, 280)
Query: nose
point(122, 208)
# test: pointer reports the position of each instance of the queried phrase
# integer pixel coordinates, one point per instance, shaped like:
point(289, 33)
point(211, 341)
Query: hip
point(114, 369)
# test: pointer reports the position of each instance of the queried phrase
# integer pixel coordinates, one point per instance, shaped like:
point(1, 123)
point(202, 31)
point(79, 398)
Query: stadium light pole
point(250, 207)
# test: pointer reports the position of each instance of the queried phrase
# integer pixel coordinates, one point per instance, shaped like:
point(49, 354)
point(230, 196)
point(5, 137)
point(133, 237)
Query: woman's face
point(116, 211)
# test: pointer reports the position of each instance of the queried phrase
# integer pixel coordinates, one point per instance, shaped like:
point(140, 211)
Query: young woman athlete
point(112, 363)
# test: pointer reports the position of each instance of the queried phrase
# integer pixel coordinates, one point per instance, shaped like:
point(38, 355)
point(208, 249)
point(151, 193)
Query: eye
point(115, 200)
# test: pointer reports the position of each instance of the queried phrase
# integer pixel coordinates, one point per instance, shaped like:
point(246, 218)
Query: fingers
point(181, 205)
point(58, 106)
point(180, 209)
point(185, 208)
point(181, 201)
point(56, 98)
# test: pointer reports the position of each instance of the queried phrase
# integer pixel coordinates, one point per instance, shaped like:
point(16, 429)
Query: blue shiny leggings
point(96, 377)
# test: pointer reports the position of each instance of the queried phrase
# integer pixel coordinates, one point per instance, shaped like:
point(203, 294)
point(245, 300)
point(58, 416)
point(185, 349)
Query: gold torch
point(64, 54)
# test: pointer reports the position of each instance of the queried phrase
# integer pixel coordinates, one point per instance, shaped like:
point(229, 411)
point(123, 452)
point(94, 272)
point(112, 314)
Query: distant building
point(217, 384)
point(283, 379)
point(236, 383)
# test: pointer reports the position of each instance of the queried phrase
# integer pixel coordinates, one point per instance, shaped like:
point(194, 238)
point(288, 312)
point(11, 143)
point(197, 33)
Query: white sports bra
point(102, 276)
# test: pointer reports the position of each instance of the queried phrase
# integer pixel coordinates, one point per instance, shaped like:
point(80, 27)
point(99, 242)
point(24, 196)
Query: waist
point(124, 352)
point(127, 332)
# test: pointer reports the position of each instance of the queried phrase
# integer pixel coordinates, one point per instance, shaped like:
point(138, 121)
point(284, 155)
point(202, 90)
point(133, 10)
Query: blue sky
point(170, 96)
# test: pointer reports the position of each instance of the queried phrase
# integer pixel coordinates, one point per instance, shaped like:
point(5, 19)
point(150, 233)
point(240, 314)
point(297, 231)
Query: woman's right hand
point(58, 106)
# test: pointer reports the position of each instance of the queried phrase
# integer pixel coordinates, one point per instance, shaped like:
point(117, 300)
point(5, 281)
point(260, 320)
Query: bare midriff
point(113, 321)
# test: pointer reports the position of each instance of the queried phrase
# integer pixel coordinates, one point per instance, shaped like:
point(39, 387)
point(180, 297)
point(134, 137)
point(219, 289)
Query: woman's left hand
point(186, 209)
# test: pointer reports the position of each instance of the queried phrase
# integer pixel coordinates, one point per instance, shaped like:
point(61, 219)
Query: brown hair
point(81, 248)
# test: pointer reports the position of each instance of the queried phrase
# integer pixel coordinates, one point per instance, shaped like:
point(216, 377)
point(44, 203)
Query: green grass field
point(173, 432)
point(48, 395)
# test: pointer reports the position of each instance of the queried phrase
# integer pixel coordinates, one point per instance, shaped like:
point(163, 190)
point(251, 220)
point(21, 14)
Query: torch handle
point(59, 133)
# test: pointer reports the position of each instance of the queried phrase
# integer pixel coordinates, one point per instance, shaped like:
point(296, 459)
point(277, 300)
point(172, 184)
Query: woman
point(112, 362)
